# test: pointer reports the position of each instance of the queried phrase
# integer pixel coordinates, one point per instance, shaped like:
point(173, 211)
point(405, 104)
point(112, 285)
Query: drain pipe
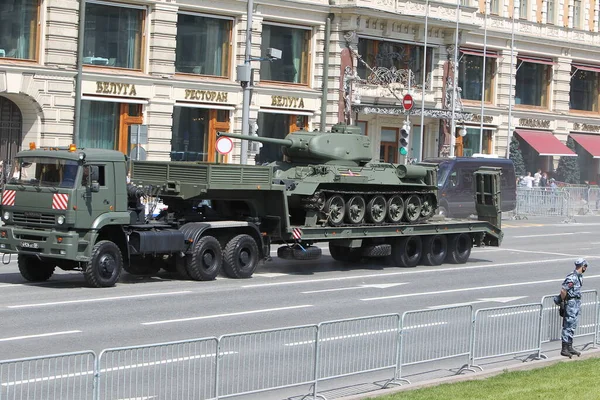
point(78, 77)
point(325, 87)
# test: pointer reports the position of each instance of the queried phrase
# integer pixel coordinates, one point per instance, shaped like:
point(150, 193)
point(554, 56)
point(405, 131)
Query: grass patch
point(573, 380)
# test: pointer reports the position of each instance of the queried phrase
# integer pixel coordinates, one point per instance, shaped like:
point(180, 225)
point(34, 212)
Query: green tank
point(331, 179)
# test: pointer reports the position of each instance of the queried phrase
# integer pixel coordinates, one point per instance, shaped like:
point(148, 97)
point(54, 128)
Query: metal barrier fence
point(253, 362)
point(68, 376)
point(566, 201)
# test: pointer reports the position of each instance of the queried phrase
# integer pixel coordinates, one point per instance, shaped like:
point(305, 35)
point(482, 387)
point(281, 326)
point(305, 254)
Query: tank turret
point(331, 179)
point(344, 145)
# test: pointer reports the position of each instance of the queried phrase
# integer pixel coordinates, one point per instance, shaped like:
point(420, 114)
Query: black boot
point(565, 350)
point(572, 350)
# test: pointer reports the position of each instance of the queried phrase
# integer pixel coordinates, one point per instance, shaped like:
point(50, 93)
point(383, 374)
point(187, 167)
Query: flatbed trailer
point(76, 209)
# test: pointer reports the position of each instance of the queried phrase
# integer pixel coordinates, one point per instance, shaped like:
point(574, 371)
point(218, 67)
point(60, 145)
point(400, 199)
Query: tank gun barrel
point(282, 142)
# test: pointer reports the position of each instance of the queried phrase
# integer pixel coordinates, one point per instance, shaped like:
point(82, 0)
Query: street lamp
point(245, 77)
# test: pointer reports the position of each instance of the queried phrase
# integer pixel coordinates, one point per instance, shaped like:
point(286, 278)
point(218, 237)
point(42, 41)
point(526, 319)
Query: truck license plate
point(28, 245)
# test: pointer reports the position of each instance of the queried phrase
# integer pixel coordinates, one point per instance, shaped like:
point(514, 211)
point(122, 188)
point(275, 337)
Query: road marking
point(490, 300)
point(418, 271)
point(471, 288)
point(225, 315)
point(377, 286)
point(540, 252)
point(549, 234)
point(271, 274)
point(135, 296)
point(38, 335)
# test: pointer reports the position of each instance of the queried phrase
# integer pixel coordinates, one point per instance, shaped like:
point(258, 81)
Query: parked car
point(455, 184)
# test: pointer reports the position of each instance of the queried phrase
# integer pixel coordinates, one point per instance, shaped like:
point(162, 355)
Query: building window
point(19, 29)
point(473, 139)
point(392, 55)
point(113, 36)
point(532, 83)
point(203, 45)
point(577, 14)
point(470, 75)
point(523, 9)
point(551, 12)
point(277, 126)
point(584, 90)
point(495, 7)
point(195, 133)
point(388, 149)
point(364, 127)
point(294, 45)
point(105, 125)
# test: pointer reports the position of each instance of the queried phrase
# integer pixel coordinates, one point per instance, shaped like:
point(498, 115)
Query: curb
point(594, 353)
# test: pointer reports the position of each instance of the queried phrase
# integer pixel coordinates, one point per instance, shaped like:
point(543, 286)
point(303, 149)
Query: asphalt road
point(62, 315)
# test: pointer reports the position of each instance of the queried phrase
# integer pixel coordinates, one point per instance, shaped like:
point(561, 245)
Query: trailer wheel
point(33, 269)
point(206, 260)
point(406, 251)
point(105, 265)
point(459, 248)
point(343, 254)
point(435, 249)
point(240, 257)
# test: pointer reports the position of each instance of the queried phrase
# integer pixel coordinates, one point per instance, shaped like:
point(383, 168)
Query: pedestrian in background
point(537, 176)
point(570, 296)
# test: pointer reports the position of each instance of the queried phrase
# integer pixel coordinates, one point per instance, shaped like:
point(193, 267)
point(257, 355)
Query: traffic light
point(404, 133)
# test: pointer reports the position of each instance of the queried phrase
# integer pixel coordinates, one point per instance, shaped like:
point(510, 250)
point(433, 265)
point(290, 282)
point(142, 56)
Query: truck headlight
point(60, 219)
point(6, 215)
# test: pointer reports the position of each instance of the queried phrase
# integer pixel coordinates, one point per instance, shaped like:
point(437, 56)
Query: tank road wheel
point(406, 251)
point(412, 208)
point(33, 269)
point(335, 208)
point(355, 209)
point(427, 209)
point(240, 257)
point(204, 264)
point(459, 248)
point(435, 249)
point(105, 265)
point(395, 209)
point(376, 209)
point(343, 254)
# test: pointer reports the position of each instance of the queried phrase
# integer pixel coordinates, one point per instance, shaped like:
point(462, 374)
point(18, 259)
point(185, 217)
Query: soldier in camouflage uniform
point(570, 295)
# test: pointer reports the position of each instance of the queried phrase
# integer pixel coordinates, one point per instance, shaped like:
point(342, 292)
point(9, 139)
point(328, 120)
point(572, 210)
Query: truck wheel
point(105, 265)
point(459, 248)
point(435, 249)
point(240, 257)
point(206, 259)
point(33, 269)
point(343, 254)
point(406, 251)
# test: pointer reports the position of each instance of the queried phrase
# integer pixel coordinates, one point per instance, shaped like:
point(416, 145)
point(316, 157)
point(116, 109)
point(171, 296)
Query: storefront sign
point(586, 127)
point(534, 123)
point(486, 119)
point(118, 89)
point(287, 102)
point(206, 95)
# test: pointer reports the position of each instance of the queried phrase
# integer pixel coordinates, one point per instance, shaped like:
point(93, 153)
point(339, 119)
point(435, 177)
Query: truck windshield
point(46, 172)
point(443, 171)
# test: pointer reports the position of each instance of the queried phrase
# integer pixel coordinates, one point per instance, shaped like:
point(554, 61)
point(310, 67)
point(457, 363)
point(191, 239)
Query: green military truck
point(83, 209)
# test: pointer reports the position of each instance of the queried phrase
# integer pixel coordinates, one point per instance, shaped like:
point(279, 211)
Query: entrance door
point(219, 122)
point(388, 151)
point(11, 127)
point(131, 114)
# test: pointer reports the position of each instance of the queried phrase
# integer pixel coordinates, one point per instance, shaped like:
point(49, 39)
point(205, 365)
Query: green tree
point(568, 167)
point(517, 157)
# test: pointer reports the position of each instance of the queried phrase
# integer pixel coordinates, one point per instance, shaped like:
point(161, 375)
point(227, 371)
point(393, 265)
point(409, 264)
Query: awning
point(536, 60)
point(479, 52)
point(545, 143)
point(585, 67)
point(591, 143)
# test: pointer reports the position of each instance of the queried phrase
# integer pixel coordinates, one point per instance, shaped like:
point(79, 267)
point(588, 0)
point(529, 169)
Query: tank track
point(318, 199)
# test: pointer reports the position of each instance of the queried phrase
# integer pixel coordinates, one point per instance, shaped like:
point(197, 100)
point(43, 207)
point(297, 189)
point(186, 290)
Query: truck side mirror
point(95, 187)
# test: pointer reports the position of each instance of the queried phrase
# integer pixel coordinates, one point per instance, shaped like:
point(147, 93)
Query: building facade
point(528, 69)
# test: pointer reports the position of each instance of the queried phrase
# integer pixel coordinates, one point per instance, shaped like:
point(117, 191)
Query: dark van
point(455, 184)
